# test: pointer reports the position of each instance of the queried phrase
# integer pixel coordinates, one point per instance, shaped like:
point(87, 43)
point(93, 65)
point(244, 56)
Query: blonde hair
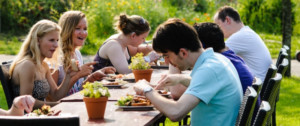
point(128, 24)
point(30, 49)
point(68, 22)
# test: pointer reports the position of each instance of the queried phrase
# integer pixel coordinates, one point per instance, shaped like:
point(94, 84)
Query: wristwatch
point(147, 90)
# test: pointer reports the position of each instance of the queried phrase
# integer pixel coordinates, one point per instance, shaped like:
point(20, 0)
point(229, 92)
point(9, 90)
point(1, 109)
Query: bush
point(20, 15)
point(262, 15)
point(100, 15)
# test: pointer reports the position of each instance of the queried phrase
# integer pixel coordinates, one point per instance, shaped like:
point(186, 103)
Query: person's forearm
point(63, 89)
point(73, 80)
point(185, 80)
point(14, 111)
point(168, 107)
point(177, 91)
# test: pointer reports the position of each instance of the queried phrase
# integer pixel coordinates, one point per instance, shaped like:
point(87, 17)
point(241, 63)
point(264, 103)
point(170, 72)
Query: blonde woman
point(73, 35)
point(30, 74)
point(117, 50)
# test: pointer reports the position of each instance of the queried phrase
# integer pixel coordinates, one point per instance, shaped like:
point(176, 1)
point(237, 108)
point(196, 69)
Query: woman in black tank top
point(116, 51)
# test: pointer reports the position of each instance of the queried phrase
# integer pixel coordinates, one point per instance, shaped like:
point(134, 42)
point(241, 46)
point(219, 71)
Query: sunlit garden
point(263, 16)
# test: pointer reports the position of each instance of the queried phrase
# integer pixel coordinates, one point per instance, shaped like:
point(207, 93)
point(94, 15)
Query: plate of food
point(125, 77)
point(43, 112)
point(134, 103)
point(116, 83)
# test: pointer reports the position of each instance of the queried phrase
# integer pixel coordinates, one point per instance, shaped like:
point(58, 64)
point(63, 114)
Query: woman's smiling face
point(80, 33)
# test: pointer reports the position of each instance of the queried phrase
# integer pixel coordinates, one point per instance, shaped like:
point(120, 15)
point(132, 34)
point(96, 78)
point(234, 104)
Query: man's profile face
point(223, 25)
point(174, 60)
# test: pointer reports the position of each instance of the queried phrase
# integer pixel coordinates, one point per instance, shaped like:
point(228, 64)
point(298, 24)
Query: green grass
point(10, 44)
point(288, 110)
point(274, 43)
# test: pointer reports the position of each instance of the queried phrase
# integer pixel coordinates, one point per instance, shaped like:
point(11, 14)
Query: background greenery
point(263, 16)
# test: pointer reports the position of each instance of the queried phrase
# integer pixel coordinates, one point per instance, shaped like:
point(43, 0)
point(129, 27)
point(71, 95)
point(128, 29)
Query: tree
point(287, 30)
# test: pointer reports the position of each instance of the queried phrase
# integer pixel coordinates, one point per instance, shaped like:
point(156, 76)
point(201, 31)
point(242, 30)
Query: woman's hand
point(97, 75)
point(24, 102)
point(84, 70)
point(108, 70)
point(153, 56)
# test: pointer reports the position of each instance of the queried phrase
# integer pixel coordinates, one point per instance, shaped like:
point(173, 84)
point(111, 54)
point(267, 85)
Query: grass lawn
point(288, 110)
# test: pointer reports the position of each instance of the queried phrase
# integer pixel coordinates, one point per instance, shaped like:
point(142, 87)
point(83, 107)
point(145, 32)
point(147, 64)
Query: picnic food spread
point(44, 111)
point(133, 100)
point(120, 76)
point(116, 82)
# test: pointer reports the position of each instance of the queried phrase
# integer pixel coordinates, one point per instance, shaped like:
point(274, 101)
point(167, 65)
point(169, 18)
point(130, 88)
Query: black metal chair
point(263, 113)
point(247, 108)
point(281, 69)
point(40, 121)
point(286, 47)
point(5, 81)
point(270, 74)
point(257, 84)
point(7, 62)
point(280, 58)
point(270, 94)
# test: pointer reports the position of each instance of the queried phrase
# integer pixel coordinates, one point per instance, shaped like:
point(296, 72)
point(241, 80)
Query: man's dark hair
point(210, 35)
point(174, 34)
point(230, 12)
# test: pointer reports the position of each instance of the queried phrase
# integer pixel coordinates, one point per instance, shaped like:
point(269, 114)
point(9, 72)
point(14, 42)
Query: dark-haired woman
point(117, 50)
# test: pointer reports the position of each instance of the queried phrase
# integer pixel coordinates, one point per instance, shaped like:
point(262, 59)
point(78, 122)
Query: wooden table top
point(113, 115)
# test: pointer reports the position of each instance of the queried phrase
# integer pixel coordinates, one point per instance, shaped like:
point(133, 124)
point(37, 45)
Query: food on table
point(44, 111)
point(133, 100)
point(74, 65)
point(120, 76)
point(116, 82)
point(162, 92)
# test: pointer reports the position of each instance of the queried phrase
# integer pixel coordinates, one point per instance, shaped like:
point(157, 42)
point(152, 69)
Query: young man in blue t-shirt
point(214, 93)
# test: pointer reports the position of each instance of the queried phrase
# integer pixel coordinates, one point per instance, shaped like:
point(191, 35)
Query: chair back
point(270, 74)
point(280, 58)
point(282, 50)
point(40, 121)
point(257, 84)
point(7, 62)
point(262, 114)
point(283, 66)
point(281, 69)
point(6, 85)
point(286, 47)
point(247, 107)
point(271, 93)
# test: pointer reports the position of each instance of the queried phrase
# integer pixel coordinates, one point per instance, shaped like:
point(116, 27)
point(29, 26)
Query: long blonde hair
point(30, 49)
point(68, 22)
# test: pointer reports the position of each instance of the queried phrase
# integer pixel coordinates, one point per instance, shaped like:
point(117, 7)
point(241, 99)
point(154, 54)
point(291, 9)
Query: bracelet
point(15, 106)
point(94, 77)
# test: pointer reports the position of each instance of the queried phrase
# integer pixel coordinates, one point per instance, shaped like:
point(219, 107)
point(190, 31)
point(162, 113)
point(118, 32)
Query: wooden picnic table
point(114, 116)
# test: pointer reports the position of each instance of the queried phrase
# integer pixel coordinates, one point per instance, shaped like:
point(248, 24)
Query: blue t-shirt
point(245, 75)
point(216, 83)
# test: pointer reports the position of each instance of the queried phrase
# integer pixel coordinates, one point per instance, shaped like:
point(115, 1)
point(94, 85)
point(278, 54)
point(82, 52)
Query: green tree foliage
point(17, 16)
point(262, 15)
